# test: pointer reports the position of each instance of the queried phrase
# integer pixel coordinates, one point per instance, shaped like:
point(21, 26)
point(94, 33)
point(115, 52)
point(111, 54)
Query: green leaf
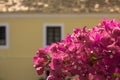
point(116, 75)
point(93, 59)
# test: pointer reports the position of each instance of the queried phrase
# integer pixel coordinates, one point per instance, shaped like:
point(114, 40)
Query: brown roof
point(60, 6)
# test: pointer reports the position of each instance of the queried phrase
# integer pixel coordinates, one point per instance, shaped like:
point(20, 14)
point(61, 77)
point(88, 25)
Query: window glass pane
point(2, 35)
point(53, 34)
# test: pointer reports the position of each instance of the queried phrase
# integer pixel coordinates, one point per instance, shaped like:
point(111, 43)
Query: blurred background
point(26, 25)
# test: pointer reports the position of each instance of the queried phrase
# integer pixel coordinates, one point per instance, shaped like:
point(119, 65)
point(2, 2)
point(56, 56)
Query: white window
point(3, 35)
point(53, 33)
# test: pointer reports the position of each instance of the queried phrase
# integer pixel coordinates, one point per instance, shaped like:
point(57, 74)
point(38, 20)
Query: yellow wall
point(25, 37)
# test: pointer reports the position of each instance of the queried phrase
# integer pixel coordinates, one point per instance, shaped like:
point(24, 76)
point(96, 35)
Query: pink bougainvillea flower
point(92, 54)
point(40, 60)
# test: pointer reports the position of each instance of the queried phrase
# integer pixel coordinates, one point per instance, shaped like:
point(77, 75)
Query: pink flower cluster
point(92, 54)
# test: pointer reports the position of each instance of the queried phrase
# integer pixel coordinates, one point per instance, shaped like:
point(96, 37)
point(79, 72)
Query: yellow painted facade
point(25, 37)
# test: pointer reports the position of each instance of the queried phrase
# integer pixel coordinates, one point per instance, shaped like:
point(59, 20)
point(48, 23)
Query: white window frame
point(52, 25)
point(7, 35)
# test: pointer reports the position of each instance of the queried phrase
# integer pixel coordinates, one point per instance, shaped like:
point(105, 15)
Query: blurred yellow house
point(21, 34)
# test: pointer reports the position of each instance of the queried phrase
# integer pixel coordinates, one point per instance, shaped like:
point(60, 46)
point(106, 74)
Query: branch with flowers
point(92, 54)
